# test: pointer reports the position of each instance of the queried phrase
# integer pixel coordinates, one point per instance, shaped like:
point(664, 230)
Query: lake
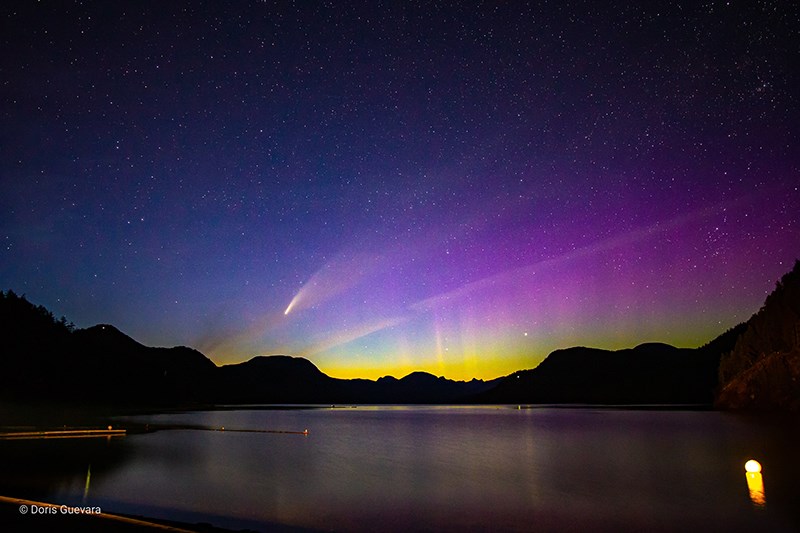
point(401, 468)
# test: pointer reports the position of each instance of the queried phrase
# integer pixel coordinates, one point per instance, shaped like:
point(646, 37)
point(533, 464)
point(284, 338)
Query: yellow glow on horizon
point(459, 369)
point(460, 351)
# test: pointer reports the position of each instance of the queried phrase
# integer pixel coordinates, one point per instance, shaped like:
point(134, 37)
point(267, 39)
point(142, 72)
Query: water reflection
point(755, 482)
point(426, 468)
point(452, 469)
point(86, 486)
point(42, 468)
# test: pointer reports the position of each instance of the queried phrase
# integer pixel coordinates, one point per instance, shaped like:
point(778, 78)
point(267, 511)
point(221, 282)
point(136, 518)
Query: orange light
point(752, 466)
point(755, 483)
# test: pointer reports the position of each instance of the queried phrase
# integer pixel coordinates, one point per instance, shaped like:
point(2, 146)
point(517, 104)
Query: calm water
point(432, 468)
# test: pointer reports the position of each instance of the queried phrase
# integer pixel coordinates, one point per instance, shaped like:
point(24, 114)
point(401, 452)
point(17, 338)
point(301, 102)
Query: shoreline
point(54, 519)
point(21, 513)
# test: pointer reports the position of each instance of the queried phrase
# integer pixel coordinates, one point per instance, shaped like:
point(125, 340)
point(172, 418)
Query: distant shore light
point(752, 466)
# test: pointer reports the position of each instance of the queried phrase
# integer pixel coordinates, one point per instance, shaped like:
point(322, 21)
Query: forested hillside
point(763, 369)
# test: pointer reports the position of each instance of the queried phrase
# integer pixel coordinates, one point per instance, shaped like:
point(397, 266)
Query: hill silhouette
point(652, 373)
point(44, 358)
point(762, 371)
point(47, 359)
point(756, 364)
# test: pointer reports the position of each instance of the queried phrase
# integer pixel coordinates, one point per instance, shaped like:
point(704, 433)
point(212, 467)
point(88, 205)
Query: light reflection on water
point(457, 468)
point(755, 484)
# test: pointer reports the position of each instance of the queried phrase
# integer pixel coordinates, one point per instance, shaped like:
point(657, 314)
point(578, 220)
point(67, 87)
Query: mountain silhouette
point(652, 373)
point(756, 364)
point(762, 371)
point(132, 371)
point(45, 359)
point(284, 379)
point(273, 379)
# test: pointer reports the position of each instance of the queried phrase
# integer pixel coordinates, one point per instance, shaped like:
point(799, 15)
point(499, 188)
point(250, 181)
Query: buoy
point(752, 466)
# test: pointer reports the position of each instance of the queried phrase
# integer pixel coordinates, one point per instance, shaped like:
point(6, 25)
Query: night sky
point(384, 187)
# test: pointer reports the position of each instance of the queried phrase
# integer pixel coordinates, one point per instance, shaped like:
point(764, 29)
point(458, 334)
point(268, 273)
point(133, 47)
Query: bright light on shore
point(752, 466)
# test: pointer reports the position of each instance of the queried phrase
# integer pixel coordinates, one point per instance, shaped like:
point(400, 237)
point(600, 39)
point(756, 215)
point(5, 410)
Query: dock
point(63, 434)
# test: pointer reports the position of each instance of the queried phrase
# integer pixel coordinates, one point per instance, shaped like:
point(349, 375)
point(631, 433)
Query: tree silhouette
point(775, 328)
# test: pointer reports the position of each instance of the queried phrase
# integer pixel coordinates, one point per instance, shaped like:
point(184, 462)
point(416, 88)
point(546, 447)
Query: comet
point(335, 277)
point(298, 298)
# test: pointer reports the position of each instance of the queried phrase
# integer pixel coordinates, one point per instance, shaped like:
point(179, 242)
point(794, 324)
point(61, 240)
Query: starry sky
point(381, 187)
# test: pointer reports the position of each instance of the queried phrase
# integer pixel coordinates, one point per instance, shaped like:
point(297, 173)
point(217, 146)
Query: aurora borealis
point(459, 188)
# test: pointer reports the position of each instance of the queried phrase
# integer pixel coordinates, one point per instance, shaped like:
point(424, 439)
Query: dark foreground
point(12, 519)
point(404, 468)
point(16, 515)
